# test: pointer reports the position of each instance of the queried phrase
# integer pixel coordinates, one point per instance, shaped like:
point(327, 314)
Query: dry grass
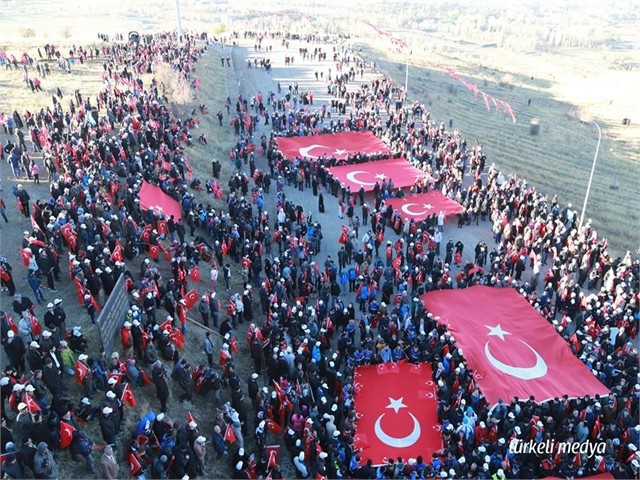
point(213, 92)
point(558, 159)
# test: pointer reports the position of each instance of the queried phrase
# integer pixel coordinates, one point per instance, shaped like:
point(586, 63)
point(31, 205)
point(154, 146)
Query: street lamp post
point(406, 75)
point(593, 169)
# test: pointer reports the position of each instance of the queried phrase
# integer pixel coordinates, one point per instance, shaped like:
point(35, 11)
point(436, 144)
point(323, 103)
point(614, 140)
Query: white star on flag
point(428, 206)
point(340, 151)
point(497, 331)
point(381, 176)
point(396, 404)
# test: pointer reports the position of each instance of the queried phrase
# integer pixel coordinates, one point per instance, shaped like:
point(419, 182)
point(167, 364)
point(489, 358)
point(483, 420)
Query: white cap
point(34, 345)
point(50, 305)
point(85, 401)
point(10, 334)
point(254, 375)
point(110, 394)
point(112, 381)
point(46, 334)
point(22, 406)
point(82, 357)
point(30, 388)
point(107, 410)
point(193, 425)
point(201, 439)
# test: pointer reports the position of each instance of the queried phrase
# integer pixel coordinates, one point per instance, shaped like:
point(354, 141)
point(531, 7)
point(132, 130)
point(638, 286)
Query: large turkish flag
point(513, 349)
point(396, 408)
point(152, 197)
point(423, 205)
point(367, 174)
point(336, 145)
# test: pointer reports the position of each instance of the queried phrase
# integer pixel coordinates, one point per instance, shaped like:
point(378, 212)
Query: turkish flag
point(116, 375)
point(191, 418)
point(134, 464)
point(395, 404)
point(36, 326)
point(163, 228)
point(177, 337)
point(274, 427)
point(273, 453)
point(66, 434)
point(366, 175)
point(26, 256)
point(32, 406)
point(154, 251)
point(192, 297)
point(116, 255)
point(336, 145)
point(229, 436)
point(81, 372)
point(343, 234)
point(152, 197)
point(127, 396)
point(512, 348)
point(195, 274)
point(423, 205)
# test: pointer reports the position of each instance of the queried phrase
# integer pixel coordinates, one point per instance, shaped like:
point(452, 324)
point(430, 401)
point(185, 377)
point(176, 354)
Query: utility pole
point(179, 21)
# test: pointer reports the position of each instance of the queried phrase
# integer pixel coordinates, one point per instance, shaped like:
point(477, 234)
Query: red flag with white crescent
point(401, 420)
point(32, 405)
point(420, 206)
point(127, 396)
point(229, 436)
point(513, 349)
point(337, 145)
point(191, 297)
point(81, 372)
point(366, 175)
point(66, 434)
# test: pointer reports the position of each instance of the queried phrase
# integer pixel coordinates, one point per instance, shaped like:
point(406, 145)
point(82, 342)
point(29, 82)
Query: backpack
point(174, 373)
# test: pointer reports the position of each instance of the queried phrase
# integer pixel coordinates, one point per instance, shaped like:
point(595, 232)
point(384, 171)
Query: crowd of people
point(318, 320)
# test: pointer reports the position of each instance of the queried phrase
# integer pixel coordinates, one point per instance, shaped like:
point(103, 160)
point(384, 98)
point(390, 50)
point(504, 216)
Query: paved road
point(251, 81)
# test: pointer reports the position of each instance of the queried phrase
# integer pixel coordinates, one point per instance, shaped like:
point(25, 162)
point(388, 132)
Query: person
point(208, 348)
point(159, 377)
point(34, 283)
point(200, 451)
point(182, 375)
point(44, 465)
point(23, 200)
point(16, 350)
point(3, 208)
point(81, 445)
point(108, 426)
point(109, 466)
point(320, 203)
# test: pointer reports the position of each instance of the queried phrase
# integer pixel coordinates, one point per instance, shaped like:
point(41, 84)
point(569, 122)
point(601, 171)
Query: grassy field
point(557, 160)
point(213, 92)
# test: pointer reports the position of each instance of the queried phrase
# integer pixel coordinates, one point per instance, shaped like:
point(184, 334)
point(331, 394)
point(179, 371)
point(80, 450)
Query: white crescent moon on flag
point(304, 151)
point(405, 209)
point(398, 442)
point(524, 373)
point(351, 176)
